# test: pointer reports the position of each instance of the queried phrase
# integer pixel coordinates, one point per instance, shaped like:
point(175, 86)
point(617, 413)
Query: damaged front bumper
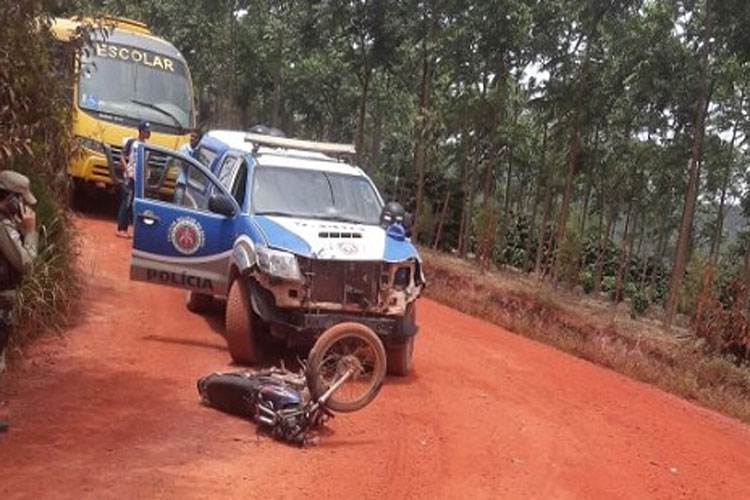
point(377, 294)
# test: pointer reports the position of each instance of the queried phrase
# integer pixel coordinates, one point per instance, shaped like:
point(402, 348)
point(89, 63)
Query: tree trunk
point(641, 237)
point(708, 275)
point(549, 247)
point(420, 148)
point(603, 245)
point(688, 213)
point(623, 255)
point(505, 216)
point(472, 199)
point(544, 183)
point(589, 185)
point(276, 95)
point(377, 133)
point(362, 115)
point(532, 225)
point(443, 213)
point(465, 161)
point(644, 270)
point(573, 153)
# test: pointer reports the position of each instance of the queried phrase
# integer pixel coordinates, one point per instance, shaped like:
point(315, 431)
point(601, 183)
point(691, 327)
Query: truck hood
point(320, 239)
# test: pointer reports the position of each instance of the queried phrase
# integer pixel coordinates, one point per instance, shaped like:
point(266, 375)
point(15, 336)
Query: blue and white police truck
point(290, 233)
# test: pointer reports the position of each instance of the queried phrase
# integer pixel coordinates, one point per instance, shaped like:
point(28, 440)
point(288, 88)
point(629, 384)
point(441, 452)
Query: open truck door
point(184, 240)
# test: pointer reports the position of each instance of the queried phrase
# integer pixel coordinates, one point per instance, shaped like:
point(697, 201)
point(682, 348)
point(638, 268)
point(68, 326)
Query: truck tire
point(399, 358)
point(241, 339)
point(198, 302)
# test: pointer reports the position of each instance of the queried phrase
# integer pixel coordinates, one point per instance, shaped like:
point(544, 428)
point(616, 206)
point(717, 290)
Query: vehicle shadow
point(276, 354)
point(185, 342)
point(403, 380)
point(214, 317)
point(97, 204)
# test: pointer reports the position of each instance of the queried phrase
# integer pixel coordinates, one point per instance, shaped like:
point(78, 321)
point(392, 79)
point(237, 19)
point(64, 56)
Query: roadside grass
point(593, 330)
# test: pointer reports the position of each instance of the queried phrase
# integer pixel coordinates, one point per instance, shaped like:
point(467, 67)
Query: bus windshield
point(135, 83)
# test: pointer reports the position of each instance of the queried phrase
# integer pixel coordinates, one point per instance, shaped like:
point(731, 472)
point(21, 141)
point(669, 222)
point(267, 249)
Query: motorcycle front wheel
point(347, 348)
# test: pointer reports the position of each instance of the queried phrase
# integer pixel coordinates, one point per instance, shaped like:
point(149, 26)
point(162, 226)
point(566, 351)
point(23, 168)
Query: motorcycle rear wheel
point(347, 346)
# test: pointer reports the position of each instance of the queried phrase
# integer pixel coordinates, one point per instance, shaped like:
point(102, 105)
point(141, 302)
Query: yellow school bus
point(127, 75)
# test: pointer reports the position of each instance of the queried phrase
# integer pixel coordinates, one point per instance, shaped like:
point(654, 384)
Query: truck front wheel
point(399, 356)
point(241, 339)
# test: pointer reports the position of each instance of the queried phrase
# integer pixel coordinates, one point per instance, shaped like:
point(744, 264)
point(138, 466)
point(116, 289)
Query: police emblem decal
point(186, 235)
point(348, 248)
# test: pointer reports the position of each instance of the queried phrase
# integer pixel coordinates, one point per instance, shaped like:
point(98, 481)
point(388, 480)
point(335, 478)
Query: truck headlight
point(90, 144)
point(279, 264)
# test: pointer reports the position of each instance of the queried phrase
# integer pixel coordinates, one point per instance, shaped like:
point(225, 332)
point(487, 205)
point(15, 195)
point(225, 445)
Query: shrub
point(640, 301)
point(36, 139)
point(570, 252)
point(726, 326)
point(586, 280)
point(608, 284)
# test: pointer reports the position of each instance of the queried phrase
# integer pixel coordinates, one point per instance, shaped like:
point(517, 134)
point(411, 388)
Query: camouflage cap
point(10, 180)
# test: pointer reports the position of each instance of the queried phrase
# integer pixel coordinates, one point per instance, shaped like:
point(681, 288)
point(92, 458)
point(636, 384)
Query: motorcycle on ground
point(343, 373)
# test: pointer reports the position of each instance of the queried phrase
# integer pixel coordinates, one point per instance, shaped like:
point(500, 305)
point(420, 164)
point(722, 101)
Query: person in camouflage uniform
point(18, 249)
point(18, 245)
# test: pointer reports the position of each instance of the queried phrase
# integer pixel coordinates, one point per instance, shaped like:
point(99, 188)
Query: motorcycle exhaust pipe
point(266, 415)
point(265, 421)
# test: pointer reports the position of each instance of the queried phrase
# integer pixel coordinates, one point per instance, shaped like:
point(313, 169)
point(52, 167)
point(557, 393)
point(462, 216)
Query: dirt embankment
point(109, 410)
point(594, 331)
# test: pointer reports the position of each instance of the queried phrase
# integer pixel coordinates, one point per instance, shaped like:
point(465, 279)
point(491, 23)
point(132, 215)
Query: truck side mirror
point(221, 204)
point(392, 213)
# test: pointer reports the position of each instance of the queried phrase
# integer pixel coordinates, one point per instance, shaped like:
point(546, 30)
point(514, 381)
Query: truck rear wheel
point(241, 339)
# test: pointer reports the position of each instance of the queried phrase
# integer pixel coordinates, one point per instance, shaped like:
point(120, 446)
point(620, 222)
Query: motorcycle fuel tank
point(280, 396)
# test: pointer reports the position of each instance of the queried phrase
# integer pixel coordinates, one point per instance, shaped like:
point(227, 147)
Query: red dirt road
point(109, 410)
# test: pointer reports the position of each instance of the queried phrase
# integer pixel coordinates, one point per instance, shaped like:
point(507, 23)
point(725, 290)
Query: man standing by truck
point(187, 149)
point(127, 165)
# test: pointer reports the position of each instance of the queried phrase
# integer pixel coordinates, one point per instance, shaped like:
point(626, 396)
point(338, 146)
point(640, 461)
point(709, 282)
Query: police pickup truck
point(289, 232)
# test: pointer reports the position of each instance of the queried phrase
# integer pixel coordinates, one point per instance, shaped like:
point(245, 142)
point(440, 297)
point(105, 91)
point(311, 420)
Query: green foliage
point(692, 284)
point(608, 284)
point(640, 300)
point(586, 280)
point(529, 110)
point(570, 255)
point(35, 138)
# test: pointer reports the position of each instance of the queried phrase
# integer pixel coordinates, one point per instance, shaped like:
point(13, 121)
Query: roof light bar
point(332, 148)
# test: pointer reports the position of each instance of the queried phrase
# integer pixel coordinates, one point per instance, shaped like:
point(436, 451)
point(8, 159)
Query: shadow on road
point(186, 342)
point(94, 203)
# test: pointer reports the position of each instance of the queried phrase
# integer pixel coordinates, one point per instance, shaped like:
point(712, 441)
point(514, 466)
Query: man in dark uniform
point(18, 248)
point(127, 165)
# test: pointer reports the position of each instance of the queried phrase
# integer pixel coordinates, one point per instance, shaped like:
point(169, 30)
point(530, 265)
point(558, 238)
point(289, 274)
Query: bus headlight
point(279, 264)
point(90, 144)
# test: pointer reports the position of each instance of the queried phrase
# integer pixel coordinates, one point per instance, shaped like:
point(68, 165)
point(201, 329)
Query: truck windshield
point(135, 83)
point(314, 194)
